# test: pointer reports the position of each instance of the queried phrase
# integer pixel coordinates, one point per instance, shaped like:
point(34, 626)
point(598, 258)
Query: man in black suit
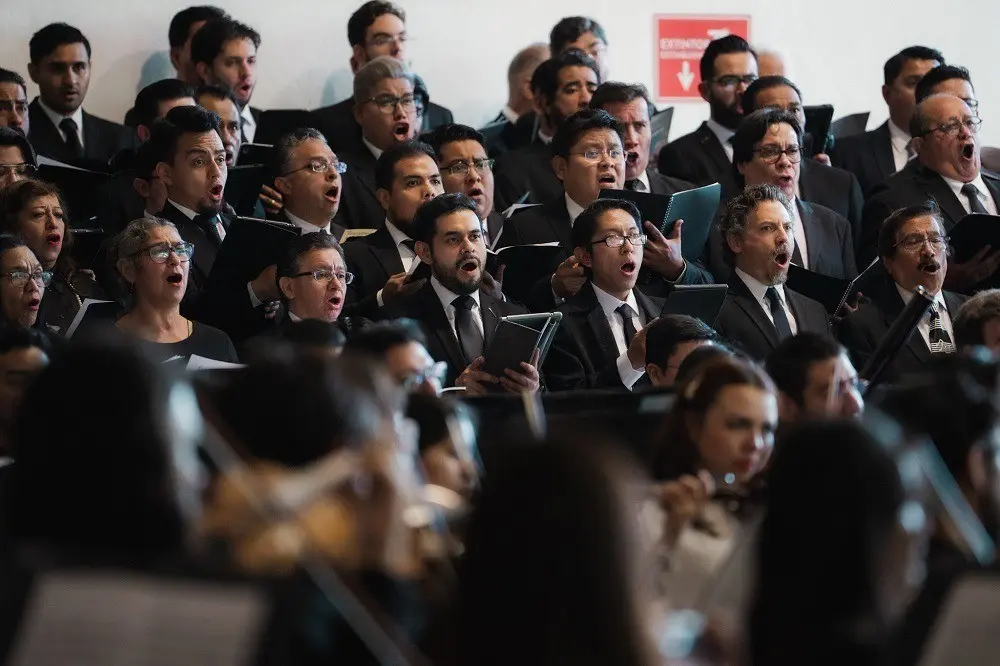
point(818, 182)
point(466, 168)
point(308, 176)
point(13, 101)
point(154, 101)
point(520, 100)
point(457, 315)
point(224, 52)
point(947, 169)
point(406, 176)
point(705, 156)
point(585, 34)
point(223, 103)
point(948, 80)
point(876, 155)
point(759, 312)
point(183, 26)
point(914, 250)
point(767, 150)
point(604, 323)
point(59, 127)
point(562, 86)
point(376, 29)
point(387, 112)
point(313, 278)
point(815, 380)
point(669, 340)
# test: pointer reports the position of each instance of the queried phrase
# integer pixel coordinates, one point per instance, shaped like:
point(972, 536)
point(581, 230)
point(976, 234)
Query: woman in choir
point(22, 283)
point(153, 261)
point(35, 211)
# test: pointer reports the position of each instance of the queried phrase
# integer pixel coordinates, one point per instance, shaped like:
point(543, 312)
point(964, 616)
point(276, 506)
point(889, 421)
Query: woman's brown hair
point(18, 196)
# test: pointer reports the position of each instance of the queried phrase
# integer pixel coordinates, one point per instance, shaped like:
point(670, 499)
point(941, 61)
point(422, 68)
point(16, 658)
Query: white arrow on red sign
point(685, 76)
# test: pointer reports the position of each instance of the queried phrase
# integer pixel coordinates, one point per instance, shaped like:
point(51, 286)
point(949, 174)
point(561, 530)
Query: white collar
point(294, 317)
point(907, 296)
point(545, 138)
point(510, 114)
point(371, 147)
point(644, 179)
point(610, 304)
point(758, 288)
point(573, 208)
point(957, 185)
point(397, 234)
point(447, 296)
point(306, 227)
point(57, 118)
point(897, 134)
point(190, 214)
point(723, 134)
point(247, 116)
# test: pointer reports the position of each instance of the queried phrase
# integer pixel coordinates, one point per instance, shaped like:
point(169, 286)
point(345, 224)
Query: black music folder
point(78, 187)
point(818, 120)
point(516, 338)
point(256, 153)
point(250, 246)
point(970, 235)
point(275, 123)
point(832, 292)
point(525, 266)
point(659, 126)
point(243, 187)
point(701, 301)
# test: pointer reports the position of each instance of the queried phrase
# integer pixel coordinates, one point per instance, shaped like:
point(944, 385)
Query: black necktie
point(972, 194)
point(470, 338)
point(627, 313)
point(209, 223)
point(73, 145)
point(410, 244)
point(778, 313)
point(632, 185)
point(940, 341)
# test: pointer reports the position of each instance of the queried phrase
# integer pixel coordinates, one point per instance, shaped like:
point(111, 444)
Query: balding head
point(946, 137)
point(771, 63)
point(519, 96)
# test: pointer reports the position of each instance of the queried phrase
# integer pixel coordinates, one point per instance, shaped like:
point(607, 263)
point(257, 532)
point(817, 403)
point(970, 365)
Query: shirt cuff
point(627, 373)
point(559, 300)
point(378, 298)
point(254, 301)
point(679, 277)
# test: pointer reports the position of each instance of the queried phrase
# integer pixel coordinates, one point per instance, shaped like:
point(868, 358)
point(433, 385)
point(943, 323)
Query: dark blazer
point(102, 139)
point(834, 188)
point(373, 259)
point(494, 225)
point(527, 169)
point(513, 135)
point(914, 184)
point(660, 184)
point(742, 319)
point(341, 130)
point(335, 229)
point(868, 156)
point(442, 343)
point(359, 206)
point(829, 245)
point(862, 330)
point(586, 335)
point(698, 158)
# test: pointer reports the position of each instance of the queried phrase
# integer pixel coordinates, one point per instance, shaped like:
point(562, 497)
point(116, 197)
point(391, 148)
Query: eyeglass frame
point(787, 152)
point(640, 237)
point(336, 165)
point(467, 165)
point(171, 249)
point(347, 279)
point(735, 80)
point(21, 169)
point(941, 242)
point(973, 123)
point(601, 153)
point(396, 101)
point(45, 276)
point(435, 372)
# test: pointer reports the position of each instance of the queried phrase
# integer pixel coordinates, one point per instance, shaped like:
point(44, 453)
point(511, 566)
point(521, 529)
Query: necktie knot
point(971, 193)
point(778, 316)
point(464, 302)
point(625, 311)
point(68, 125)
point(772, 296)
point(632, 185)
point(627, 314)
point(409, 244)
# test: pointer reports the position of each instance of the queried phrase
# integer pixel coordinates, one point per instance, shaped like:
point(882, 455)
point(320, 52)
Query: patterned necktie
point(626, 312)
point(470, 338)
point(73, 145)
point(938, 337)
point(972, 194)
point(778, 313)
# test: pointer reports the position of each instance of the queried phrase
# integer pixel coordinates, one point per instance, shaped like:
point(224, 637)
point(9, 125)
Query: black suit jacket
point(341, 130)
point(914, 184)
point(868, 156)
point(586, 335)
point(862, 330)
point(335, 229)
point(660, 184)
point(373, 259)
point(359, 206)
point(102, 139)
point(743, 321)
point(527, 169)
point(834, 188)
point(698, 158)
point(513, 135)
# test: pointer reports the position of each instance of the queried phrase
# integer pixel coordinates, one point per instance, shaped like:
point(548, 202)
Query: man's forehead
point(459, 221)
point(735, 63)
point(919, 224)
point(464, 148)
point(631, 110)
point(615, 218)
point(400, 85)
point(201, 141)
point(11, 89)
point(598, 137)
point(312, 148)
point(419, 165)
point(68, 54)
point(575, 73)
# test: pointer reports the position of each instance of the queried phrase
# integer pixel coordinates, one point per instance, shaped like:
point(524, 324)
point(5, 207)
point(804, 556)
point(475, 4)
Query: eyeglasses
point(973, 104)
point(616, 240)
point(321, 166)
point(20, 169)
point(20, 278)
point(433, 374)
point(483, 166)
point(323, 275)
point(386, 40)
point(772, 153)
point(387, 103)
point(952, 128)
point(593, 154)
point(914, 243)
point(20, 106)
point(160, 252)
point(733, 80)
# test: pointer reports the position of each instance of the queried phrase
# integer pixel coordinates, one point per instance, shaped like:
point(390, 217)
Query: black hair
point(366, 15)
point(288, 263)
point(545, 78)
point(925, 87)
point(12, 338)
point(453, 132)
point(166, 134)
point(701, 356)
point(217, 92)
point(894, 66)
point(431, 415)
point(581, 235)
point(385, 167)
point(570, 29)
point(891, 225)
point(615, 92)
point(283, 148)
point(145, 160)
point(973, 315)
point(380, 337)
point(9, 76)
point(51, 37)
point(789, 363)
point(738, 210)
point(11, 137)
point(426, 218)
point(763, 84)
point(754, 128)
point(180, 24)
point(722, 46)
point(577, 125)
point(212, 37)
point(664, 334)
point(147, 102)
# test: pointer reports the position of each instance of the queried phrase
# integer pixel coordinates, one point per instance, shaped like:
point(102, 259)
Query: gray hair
point(377, 70)
point(289, 142)
point(127, 245)
point(737, 214)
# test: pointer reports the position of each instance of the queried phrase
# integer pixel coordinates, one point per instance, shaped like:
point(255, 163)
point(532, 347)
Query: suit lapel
point(892, 307)
point(45, 136)
point(713, 149)
point(385, 252)
point(754, 310)
point(882, 151)
point(430, 309)
point(557, 216)
point(599, 326)
point(993, 185)
point(651, 308)
point(92, 135)
point(489, 310)
point(816, 236)
point(946, 199)
point(494, 226)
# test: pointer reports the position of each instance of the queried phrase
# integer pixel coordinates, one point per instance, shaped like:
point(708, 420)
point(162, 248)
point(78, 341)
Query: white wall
point(462, 47)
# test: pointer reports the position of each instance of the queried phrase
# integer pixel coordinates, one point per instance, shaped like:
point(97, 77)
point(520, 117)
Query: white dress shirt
point(306, 227)
point(799, 233)
point(983, 192)
point(900, 140)
point(573, 208)
point(406, 255)
point(57, 118)
point(610, 304)
point(924, 326)
point(294, 317)
point(510, 114)
point(249, 124)
point(642, 182)
point(723, 134)
point(447, 297)
point(544, 138)
point(759, 291)
point(371, 147)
